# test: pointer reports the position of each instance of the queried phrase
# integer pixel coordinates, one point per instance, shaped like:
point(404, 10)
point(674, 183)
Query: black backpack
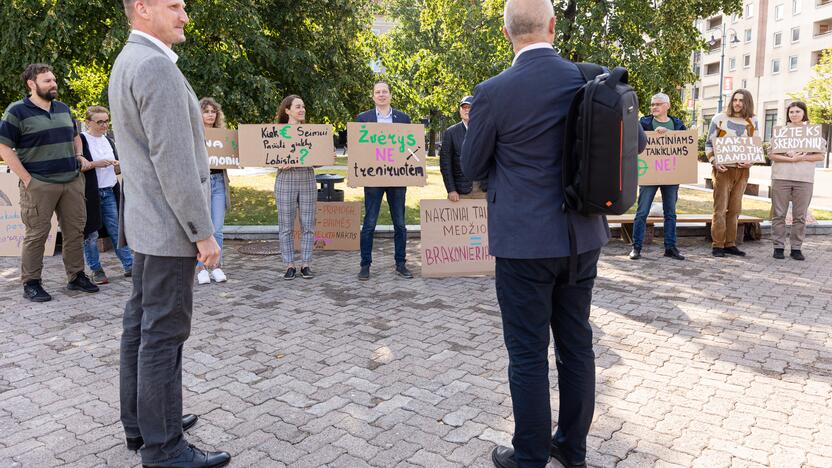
point(600, 158)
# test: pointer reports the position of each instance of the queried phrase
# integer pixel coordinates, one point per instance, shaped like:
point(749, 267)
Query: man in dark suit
point(515, 139)
point(457, 185)
point(383, 113)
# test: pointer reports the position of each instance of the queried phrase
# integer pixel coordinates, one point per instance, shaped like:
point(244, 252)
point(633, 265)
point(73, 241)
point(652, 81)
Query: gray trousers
point(295, 191)
point(157, 321)
point(783, 192)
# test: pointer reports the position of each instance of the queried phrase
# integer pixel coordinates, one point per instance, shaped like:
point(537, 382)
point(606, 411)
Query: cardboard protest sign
point(337, 226)
point(296, 145)
point(801, 139)
point(455, 238)
point(669, 158)
point(12, 229)
point(386, 155)
point(222, 148)
point(731, 150)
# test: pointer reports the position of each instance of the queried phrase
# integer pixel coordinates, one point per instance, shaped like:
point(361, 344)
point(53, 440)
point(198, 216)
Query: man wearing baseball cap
point(457, 184)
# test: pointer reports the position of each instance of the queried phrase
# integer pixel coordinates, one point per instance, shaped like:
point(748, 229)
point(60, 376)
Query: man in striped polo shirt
point(38, 142)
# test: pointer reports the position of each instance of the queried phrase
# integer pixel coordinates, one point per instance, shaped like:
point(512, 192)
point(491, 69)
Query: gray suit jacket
point(161, 146)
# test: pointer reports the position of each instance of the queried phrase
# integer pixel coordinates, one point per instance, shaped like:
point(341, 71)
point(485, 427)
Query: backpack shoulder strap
point(590, 70)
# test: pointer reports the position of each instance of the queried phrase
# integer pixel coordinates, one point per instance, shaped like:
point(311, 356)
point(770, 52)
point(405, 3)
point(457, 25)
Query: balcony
point(816, 55)
point(712, 69)
point(715, 23)
point(820, 3)
point(823, 27)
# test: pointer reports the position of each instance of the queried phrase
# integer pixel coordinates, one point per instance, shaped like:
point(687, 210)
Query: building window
point(748, 10)
point(746, 61)
point(748, 35)
point(793, 63)
point(696, 92)
point(734, 18)
point(706, 119)
point(771, 121)
point(778, 12)
point(797, 5)
point(712, 68)
point(744, 84)
point(778, 39)
point(775, 66)
point(796, 34)
point(732, 64)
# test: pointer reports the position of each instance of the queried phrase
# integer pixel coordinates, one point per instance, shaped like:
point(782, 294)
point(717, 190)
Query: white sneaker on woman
point(203, 277)
point(218, 276)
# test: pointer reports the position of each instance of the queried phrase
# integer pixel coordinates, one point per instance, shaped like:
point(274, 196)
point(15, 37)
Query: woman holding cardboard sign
point(212, 117)
point(729, 181)
point(792, 180)
point(295, 189)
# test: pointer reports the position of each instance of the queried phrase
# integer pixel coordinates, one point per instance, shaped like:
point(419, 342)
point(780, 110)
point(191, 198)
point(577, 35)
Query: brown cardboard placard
point(12, 229)
point(669, 158)
point(731, 150)
point(223, 151)
point(386, 155)
point(337, 226)
point(798, 138)
point(295, 145)
point(455, 238)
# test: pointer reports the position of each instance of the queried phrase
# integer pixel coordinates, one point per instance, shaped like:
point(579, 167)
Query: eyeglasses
point(101, 122)
point(656, 104)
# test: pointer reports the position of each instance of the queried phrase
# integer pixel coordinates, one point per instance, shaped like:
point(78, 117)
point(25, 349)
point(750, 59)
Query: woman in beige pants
point(792, 179)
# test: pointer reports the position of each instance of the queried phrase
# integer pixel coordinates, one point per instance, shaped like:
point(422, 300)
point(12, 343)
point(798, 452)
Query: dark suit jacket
point(370, 116)
point(449, 161)
point(515, 139)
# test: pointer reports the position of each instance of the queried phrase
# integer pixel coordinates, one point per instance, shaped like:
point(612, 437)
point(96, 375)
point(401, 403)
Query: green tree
point(817, 94)
point(247, 54)
point(441, 49)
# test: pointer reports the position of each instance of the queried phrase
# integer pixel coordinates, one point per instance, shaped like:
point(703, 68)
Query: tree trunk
point(432, 134)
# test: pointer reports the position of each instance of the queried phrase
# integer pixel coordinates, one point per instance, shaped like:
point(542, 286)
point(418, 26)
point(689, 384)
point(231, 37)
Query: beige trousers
point(783, 192)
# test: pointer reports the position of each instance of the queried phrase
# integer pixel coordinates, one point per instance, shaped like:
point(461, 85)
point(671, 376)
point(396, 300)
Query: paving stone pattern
point(706, 363)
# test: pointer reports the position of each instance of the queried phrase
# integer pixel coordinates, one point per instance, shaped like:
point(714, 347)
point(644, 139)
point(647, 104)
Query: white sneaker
point(218, 276)
point(203, 277)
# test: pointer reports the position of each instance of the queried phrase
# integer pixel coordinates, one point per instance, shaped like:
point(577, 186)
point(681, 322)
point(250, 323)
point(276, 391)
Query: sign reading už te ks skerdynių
point(455, 238)
point(222, 148)
point(669, 158)
point(798, 138)
point(337, 226)
point(386, 155)
point(12, 230)
point(296, 145)
point(732, 150)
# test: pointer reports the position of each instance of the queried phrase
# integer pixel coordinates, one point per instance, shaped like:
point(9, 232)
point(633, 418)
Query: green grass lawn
point(252, 200)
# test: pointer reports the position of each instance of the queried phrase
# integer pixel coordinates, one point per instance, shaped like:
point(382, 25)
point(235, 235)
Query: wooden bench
point(751, 188)
point(747, 224)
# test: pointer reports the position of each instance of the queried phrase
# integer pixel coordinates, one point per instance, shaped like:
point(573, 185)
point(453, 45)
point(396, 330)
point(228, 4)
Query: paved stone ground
point(700, 363)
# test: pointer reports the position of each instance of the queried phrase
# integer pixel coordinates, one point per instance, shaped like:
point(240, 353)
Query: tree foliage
point(442, 48)
point(817, 94)
point(247, 54)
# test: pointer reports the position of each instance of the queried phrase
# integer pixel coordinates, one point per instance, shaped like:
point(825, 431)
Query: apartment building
point(770, 49)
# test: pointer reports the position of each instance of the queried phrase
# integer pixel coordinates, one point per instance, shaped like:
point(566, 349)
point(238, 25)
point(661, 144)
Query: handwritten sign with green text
point(669, 158)
point(296, 145)
point(455, 238)
point(222, 148)
point(386, 155)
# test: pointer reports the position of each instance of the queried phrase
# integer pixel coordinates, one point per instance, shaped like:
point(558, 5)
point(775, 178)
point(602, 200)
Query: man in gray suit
point(167, 222)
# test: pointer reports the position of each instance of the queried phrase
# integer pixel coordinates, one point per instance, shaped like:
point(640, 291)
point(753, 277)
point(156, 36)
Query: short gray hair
point(661, 97)
point(527, 17)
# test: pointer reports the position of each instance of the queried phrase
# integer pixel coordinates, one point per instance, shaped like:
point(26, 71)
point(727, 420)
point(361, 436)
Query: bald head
point(529, 21)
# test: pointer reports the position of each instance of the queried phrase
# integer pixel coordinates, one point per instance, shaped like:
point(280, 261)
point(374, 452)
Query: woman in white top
point(102, 193)
point(792, 180)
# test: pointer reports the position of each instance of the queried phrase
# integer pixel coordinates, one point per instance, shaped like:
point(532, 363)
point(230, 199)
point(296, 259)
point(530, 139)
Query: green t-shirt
point(668, 125)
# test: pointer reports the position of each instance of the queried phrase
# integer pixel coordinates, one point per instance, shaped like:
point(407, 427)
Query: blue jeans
point(109, 216)
point(218, 189)
point(646, 193)
point(372, 206)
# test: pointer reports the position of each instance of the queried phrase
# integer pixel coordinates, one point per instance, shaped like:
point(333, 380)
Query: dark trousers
point(535, 297)
point(372, 205)
point(157, 321)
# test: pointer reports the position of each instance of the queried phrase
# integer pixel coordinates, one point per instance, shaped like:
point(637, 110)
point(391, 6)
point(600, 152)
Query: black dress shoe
point(364, 274)
point(796, 255)
point(778, 254)
point(193, 457)
point(635, 254)
point(718, 252)
point(673, 253)
point(306, 273)
point(33, 291)
point(558, 455)
point(188, 421)
point(503, 457)
point(402, 271)
point(290, 274)
point(733, 250)
point(82, 283)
